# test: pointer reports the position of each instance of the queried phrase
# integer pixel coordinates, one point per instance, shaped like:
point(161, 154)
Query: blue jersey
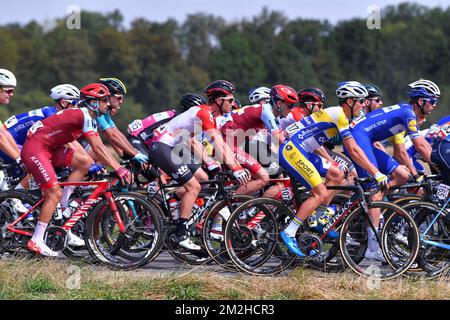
point(105, 122)
point(18, 125)
point(444, 120)
point(387, 122)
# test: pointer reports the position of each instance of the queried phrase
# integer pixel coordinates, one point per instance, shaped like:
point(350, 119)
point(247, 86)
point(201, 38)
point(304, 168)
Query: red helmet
point(219, 88)
point(284, 93)
point(94, 91)
point(311, 94)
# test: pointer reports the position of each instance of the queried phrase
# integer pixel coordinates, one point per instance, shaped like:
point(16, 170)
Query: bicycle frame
point(434, 243)
point(101, 189)
point(357, 199)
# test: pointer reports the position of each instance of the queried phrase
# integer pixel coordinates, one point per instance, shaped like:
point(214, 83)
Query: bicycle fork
point(434, 243)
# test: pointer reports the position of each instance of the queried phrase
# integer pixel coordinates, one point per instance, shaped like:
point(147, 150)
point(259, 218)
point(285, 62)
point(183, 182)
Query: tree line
point(159, 62)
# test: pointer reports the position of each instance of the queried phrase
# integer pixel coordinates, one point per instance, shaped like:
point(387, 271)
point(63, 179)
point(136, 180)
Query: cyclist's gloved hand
point(95, 168)
point(343, 167)
point(212, 166)
point(141, 158)
point(382, 179)
point(124, 175)
point(418, 178)
point(242, 175)
point(21, 164)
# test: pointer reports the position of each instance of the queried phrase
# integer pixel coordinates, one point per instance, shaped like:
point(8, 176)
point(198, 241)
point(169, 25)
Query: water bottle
point(73, 205)
point(173, 207)
point(33, 184)
point(57, 215)
point(152, 188)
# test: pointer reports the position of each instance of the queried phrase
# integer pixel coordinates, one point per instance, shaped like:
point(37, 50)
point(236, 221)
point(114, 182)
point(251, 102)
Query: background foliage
point(160, 61)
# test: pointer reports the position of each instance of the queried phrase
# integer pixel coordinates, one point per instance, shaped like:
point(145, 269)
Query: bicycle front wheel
point(399, 242)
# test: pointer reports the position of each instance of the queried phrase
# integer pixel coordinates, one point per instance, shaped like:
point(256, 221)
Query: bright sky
point(23, 11)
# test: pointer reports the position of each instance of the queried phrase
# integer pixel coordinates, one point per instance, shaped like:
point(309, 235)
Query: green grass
point(49, 279)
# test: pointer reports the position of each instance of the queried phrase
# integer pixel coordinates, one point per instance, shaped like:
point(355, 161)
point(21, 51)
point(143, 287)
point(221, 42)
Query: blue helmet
point(423, 89)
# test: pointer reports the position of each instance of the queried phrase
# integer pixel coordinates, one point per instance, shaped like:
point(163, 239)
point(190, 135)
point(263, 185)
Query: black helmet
point(219, 88)
point(373, 91)
point(311, 94)
point(114, 85)
point(189, 100)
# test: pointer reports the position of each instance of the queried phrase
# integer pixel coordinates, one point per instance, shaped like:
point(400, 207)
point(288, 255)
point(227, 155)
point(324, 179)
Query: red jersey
point(63, 127)
point(250, 117)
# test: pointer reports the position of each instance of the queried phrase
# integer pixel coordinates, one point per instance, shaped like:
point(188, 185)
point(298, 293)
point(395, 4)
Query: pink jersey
point(63, 127)
point(192, 122)
point(144, 128)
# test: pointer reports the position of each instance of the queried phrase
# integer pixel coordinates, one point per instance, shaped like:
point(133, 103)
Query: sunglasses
point(8, 91)
point(361, 100)
point(105, 99)
point(230, 100)
point(314, 104)
point(377, 100)
point(119, 97)
point(432, 101)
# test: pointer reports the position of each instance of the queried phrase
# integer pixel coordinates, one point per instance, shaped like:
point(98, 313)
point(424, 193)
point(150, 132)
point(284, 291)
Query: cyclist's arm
point(101, 151)
point(8, 144)
point(119, 141)
point(358, 156)
point(402, 157)
point(378, 145)
point(223, 150)
point(198, 150)
point(323, 153)
point(422, 147)
point(270, 123)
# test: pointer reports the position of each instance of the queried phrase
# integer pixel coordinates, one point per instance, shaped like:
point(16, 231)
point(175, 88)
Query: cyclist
point(374, 100)
point(65, 96)
point(107, 126)
point(440, 155)
point(140, 132)
point(245, 122)
point(164, 152)
point(45, 148)
point(8, 84)
point(259, 95)
point(387, 122)
point(298, 158)
point(312, 100)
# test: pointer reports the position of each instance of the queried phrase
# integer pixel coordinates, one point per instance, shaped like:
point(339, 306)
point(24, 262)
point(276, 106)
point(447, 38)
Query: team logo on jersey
point(288, 147)
point(412, 125)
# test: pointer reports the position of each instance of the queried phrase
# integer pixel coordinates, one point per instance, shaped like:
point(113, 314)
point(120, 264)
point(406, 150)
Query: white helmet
point(351, 89)
point(258, 94)
point(7, 78)
point(423, 89)
point(65, 91)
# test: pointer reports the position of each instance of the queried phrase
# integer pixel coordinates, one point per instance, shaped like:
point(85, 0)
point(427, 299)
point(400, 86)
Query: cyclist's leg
point(296, 161)
point(38, 162)
point(163, 156)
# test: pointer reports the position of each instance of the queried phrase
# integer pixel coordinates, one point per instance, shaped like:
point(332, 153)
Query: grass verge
point(49, 279)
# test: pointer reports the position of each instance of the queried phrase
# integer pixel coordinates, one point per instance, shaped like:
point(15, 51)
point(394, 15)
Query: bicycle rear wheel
point(139, 244)
point(257, 249)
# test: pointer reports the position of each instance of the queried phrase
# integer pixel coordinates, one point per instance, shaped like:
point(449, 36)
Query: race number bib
point(35, 128)
point(135, 125)
point(292, 129)
point(443, 191)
